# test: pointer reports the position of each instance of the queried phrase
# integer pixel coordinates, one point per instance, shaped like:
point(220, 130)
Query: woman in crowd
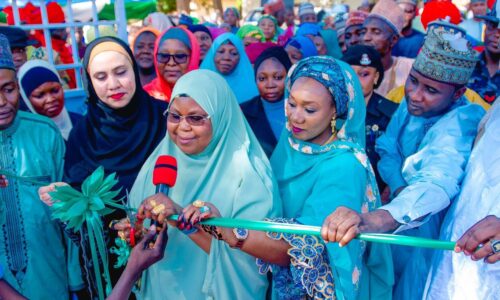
point(269, 26)
point(42, 92)
point(367, 64)
point(143, 47)
point(331, 42)
point(228, 58)
point(251, 34)
point(176, 53)
point(123, 124)
point(300, 47)
point(266, 112)
point(212, 143)
point(204, 38)
point(121, 129)
point(320, 165)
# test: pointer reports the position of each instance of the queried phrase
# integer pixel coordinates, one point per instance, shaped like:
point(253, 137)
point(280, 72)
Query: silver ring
point(204, 209)
point(495, 246)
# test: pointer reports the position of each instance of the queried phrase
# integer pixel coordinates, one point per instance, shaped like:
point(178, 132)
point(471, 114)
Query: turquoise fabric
point(241, 80)
point(234, 174)
point(314, 180)
point(275, 112)
point(428, 155)
point(331, 42)
point(176, 34)
point(39, 260)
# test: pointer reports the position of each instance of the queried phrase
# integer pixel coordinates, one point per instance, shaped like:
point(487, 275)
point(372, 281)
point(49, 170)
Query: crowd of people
point(374, 120)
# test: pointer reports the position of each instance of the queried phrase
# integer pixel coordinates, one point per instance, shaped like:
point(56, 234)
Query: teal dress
point(313, 181)
point(242, 78)
point(234, 174)
point(38, 259)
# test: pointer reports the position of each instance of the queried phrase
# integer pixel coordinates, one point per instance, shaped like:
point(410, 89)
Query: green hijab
point(251, 31)
point(234, 174)
point(316, 179)
point(277, 29)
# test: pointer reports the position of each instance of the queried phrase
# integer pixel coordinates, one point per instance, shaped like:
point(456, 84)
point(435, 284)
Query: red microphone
point(165, 173)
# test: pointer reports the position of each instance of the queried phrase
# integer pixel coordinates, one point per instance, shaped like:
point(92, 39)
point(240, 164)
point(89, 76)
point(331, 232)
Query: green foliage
point(74, 207)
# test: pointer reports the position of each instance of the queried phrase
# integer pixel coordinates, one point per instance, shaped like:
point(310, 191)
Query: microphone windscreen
point(165, 171)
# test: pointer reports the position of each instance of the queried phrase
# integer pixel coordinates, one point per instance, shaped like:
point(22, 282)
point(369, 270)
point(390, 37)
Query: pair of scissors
point(132, 217)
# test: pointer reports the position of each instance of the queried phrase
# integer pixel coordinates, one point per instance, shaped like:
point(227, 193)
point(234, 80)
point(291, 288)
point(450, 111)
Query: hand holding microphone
point(159, 206)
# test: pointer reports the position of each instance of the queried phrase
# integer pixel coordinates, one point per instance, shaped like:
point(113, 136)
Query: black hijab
point(120, 140)
point(274, 52)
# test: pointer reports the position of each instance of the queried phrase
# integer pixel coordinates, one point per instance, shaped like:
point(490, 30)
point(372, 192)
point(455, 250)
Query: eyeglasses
point(178, 58)
point(194, 120)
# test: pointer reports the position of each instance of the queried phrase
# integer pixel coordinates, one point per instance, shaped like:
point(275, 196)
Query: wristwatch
point(241, 235)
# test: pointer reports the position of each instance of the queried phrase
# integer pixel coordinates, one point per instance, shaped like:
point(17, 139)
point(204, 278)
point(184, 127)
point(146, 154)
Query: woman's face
point(270, 78)
point(113, 78)
point(368, 76)
point(319, 42)
point(293, 53)
point(48, 99)
point(268, 28)
point(310, 110)
point(250, 40)
point(226, 58)
point(173, 60)
point(144, 47)
point(205, 42)
point(188, 125)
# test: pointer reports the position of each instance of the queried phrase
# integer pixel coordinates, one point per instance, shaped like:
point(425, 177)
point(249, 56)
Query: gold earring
point(333, 123)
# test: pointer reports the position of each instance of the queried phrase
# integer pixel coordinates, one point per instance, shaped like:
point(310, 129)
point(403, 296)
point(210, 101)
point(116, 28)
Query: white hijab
point(62, 120)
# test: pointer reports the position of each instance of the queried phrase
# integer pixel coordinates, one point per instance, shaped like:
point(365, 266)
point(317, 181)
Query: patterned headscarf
point(251, 31)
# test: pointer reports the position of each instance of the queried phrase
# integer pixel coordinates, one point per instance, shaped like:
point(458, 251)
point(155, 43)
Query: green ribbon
point(23, 178)
point(316, 231)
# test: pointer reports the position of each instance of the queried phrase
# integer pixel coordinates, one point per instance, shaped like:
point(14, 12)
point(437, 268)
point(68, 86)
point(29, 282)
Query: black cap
point(365, 56)
point(16, 36)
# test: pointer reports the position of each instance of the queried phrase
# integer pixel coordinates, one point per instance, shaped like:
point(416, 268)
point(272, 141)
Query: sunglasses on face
point(165, 58)
point(194, 120)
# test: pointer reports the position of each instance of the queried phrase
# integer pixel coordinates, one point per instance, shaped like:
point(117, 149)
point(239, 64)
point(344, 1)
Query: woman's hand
point(124, 229)
point(199, 211)
point(158, 208)
point(44, 191)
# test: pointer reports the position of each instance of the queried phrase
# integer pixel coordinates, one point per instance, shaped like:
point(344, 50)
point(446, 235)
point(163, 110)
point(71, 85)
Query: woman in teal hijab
point(319, 169)
point(227, 57)
point(269, 26)
point(231, 170)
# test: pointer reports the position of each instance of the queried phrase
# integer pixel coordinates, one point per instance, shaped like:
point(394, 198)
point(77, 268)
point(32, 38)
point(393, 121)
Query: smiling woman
point(123, 124)
point(42, 92)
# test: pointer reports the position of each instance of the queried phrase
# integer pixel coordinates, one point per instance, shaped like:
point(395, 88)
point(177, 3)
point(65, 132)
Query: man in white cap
point(423, 155)
point(306, 13)
point(411, 40)
point(383, 29)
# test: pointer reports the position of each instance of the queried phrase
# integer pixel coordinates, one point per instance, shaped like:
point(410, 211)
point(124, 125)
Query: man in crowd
point(485, 79)
point(306, 13)
point(39, 261)
point(354, 30)
point(423, 154)
point(383, 28)
point(475, 26)
point(18, 40)
point(411, 41)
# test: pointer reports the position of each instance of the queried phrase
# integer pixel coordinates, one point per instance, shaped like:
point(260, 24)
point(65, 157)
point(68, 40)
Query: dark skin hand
point(481, 234)
point(344, 224)
point(143, 255)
